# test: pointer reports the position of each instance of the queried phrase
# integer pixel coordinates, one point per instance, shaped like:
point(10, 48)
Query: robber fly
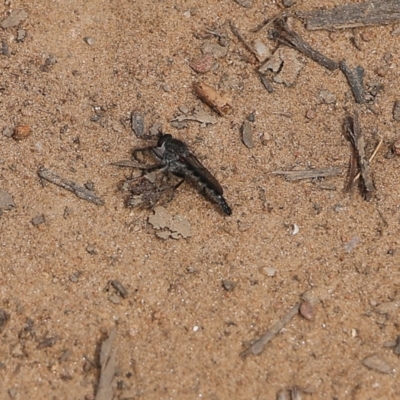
point(176, 158)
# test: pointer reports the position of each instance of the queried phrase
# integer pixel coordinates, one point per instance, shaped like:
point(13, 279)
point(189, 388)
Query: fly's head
point(159, 150)
point(170, 150)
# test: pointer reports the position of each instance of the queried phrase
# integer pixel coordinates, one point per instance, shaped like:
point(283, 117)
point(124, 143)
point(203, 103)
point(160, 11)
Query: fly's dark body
point(177, 158)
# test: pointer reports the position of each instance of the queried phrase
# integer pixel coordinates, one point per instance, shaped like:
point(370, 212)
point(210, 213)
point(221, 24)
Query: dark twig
point(356, 137)
point(238, 34)
point(79, 191)
point(286, 36)
point(376, 12)
point(258, 346)
point(267, 84)
point(355, 78)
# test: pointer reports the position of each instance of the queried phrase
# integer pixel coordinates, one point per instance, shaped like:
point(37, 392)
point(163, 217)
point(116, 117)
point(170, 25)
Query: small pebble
point(202, 64)
point(91, 249)
point(310, 114)
point(7, 131)
point(288, 3)
point(115, 299)
point(268, 271)
point(21, 34)
point(327, 97)
point(396, 111)
point(306, 310)
point(38, 220)
point(90, 41)
point(166, 88)
point(228, 285)
point(396, 147)
point(21, 132)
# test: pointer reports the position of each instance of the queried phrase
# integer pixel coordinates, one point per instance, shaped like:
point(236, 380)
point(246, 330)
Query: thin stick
point(356, 137)
point(290, 38)
point(355, 78)
point(258, 346)
point(238, 34)
point(79, 191)
point(378, 146)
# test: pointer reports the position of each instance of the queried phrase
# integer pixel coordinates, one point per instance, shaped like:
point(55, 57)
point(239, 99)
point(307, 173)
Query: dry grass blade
point(258, 346)
point(107, 363)
point(356, 137)
point(308, 174)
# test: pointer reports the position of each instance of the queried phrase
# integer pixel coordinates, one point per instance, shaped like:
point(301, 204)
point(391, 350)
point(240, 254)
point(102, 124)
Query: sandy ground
point(179, 331)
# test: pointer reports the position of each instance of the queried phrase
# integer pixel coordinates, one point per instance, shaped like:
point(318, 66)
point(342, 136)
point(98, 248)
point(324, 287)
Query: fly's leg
point(147, 167)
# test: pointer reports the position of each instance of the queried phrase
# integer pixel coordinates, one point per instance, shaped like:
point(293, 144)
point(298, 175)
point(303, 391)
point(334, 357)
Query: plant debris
point(220, 103)
point(286, 36)
point(308, 174)
point(355, 78)
point(247, 136)
point(354, 133)
point(198, 115)
point(171, 226)
point(108, 368)
point(258, 346)
point(79, 191)
point(150, 189)
point(137, 123)
point(376, 12)
point(6, 201)
point(14, 18)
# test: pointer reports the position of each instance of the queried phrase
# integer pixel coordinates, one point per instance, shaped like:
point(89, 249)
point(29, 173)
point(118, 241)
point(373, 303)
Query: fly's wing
point(202, 172)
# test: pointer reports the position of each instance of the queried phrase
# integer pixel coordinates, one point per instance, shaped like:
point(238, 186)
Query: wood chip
point(79, 191)
point(247, 136)
point(258, 346)
point(137, 123)
point(377, 12)
point(220, 103)
point(108, 368)
point(308, 174)
point(377, 363)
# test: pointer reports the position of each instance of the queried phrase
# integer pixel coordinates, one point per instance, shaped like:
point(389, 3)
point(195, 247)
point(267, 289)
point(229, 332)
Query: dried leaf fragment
point(220, 103)
point(15, 18)
point(377, 363)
